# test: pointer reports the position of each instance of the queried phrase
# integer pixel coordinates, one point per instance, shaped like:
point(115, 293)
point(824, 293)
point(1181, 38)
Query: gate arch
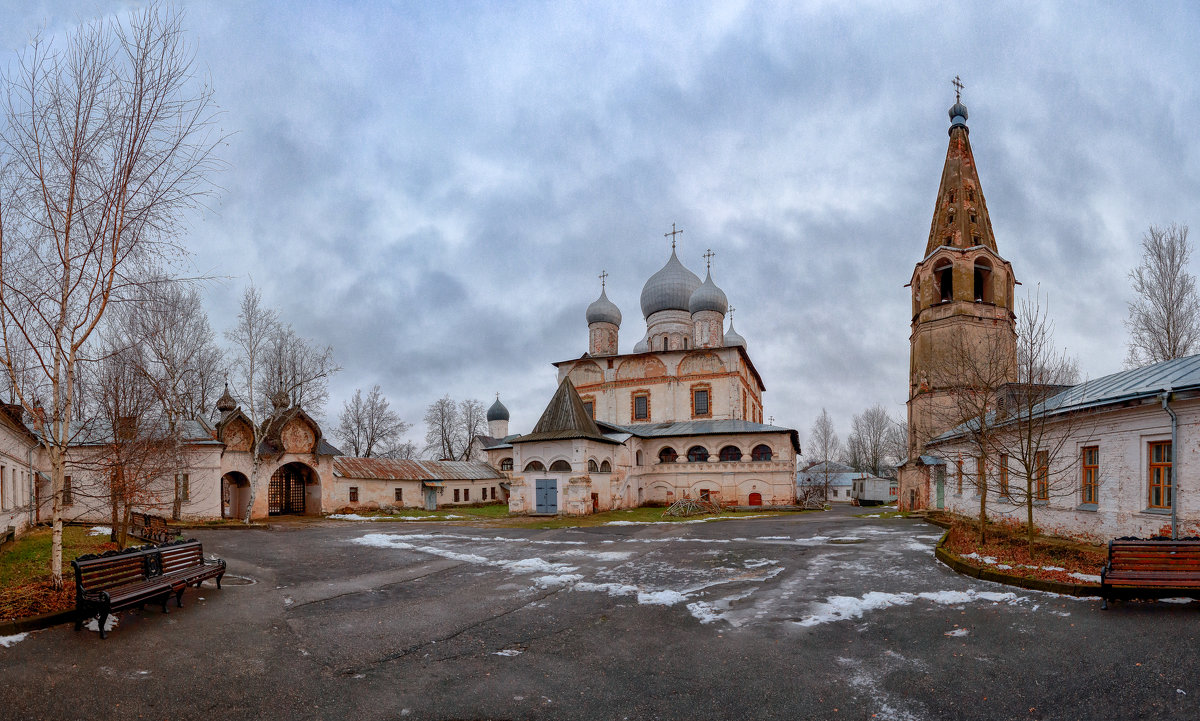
point(287, 492)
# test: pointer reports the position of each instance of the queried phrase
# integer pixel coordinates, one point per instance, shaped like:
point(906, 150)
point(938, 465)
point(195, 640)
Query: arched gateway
point(289, 488)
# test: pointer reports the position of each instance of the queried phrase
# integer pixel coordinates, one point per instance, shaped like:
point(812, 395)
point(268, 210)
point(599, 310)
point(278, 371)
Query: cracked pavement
point(820, 615)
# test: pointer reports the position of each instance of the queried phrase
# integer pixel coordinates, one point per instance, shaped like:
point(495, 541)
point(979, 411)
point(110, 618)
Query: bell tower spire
point(962, 299)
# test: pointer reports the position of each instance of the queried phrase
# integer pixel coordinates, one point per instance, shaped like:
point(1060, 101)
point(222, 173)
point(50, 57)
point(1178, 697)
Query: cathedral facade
point(678, 416)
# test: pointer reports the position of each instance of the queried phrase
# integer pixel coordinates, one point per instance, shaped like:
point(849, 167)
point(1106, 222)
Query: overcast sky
point(433, 187)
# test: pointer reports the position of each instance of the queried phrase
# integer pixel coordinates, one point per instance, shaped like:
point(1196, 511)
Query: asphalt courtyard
point(821, 615)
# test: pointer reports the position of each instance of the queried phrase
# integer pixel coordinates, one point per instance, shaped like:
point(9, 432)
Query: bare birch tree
point(368, 426)
point(1164, 320)
point(250, 338)
point(451, 426)
point(868, 442)
point(825, 446)
point(300, 367)
point(107, 141)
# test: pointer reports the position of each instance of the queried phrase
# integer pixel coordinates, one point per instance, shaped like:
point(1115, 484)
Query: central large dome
point(670, 288)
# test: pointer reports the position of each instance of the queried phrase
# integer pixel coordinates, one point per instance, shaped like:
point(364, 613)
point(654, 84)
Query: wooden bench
point(1156, 568)
point(118, 580)
point(150, 528)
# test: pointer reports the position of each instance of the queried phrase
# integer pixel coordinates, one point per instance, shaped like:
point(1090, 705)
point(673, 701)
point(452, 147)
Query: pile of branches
point(691, 507)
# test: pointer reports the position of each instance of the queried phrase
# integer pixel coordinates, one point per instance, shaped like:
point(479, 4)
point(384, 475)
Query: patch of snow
point(1085, 577)
point(660, 598)
point(846, 539)
point(508, 652)
point(1003, 566)
point(599, 555)
point(703, 612)
point(350, 517)
point(99, 531)
point(759, 562)
point(7, 641)
point(109, 624)
point(957, 632)
point(1175, 599)
point(838, 608)
point(990, 560)
point(557, 580)
point(531, 565)
point(811, 540)
point(917, 546)
point(612, 589)
point(773, 538)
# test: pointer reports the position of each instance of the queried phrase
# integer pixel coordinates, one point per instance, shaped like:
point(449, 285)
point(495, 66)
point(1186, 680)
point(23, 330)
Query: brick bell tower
point(962, 293)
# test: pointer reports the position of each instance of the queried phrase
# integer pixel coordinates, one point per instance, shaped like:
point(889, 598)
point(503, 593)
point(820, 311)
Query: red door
point(756, 499)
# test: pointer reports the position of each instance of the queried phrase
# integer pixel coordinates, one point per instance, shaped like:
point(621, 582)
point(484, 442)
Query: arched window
point(638, 458)
point(943, 275)
point(592, 467)
point(605, 467)
point(697, 454)
point(731, 453)
point(560, 466)
point(534, 466)
point(983, 281)
point(761, 452)
point(667, 455)
point(506, 464)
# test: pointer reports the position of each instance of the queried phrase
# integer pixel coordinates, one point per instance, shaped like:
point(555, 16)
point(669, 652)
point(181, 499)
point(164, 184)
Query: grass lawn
point(25, 588)
point(492, 510)
point(1050, 559)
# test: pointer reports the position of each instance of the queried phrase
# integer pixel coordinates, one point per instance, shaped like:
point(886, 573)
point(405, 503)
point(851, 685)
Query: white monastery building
point(679, 416)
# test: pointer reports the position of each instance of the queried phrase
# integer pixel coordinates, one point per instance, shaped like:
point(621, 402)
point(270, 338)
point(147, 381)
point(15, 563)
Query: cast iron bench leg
point(103, 621)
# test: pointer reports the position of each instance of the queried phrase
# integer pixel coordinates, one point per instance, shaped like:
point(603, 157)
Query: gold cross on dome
point(672, 235)
point(603, 276)
point(958, 86)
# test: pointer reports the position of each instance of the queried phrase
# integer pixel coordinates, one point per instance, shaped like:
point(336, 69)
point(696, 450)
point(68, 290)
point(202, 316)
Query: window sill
point(1157, 511)
point(1088, 507)
point(1041, 504)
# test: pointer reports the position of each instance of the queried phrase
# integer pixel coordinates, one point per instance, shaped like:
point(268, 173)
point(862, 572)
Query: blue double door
point(546, 495)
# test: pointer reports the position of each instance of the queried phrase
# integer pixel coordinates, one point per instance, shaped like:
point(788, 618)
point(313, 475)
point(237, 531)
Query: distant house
point(840, 478)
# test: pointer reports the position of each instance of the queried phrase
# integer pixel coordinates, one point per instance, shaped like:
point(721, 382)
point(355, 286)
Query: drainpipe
point(1166, 397)
point(33, 499)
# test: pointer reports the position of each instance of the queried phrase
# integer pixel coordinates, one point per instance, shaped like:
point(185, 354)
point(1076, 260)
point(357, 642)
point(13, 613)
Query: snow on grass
point(989, 560)
point(99, 531)
point(508, 652)
point(109, 624)
point(703, 612)
point(1085, 577)
point(7, 641)
point(841, 608)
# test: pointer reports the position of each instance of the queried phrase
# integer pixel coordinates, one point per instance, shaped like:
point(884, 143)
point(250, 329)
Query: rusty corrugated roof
point(389, 469)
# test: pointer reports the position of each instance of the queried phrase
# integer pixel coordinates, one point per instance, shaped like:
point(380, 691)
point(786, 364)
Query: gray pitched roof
point(565, 418)
point(703, 428)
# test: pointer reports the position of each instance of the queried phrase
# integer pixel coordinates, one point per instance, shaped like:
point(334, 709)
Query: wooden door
point(756, 499)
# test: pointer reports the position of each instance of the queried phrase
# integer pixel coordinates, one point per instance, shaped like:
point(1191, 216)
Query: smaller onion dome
point(708, 297)
point(281, 400)
point(958, 114)
point(603, 310)
point(497, 412)
point(732, 337)
point(225, 403)
point(642, 346)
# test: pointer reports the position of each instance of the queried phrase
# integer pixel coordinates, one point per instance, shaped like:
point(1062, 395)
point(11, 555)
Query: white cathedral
point(680, 416)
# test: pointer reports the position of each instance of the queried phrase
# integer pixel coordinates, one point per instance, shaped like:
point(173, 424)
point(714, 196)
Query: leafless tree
point(127, 445)
point(250, 338)
point(368, 426)
point(1038, 444)
point(450, 427)
point(868, 447)
point(176, 353)
point(1164, 320)
point(300, 367)
point(983, 370)
point(107, 141)
point(825, 445)
point(896, 445)
point(400, 450)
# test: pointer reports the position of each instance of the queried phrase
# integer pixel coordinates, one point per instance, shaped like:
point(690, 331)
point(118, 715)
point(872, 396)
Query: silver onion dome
point(642, 346)
point(958, 114)
point(732, 337)
point(603, 310)
point(670, 288)
point(497, 412)
point(708, 297)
